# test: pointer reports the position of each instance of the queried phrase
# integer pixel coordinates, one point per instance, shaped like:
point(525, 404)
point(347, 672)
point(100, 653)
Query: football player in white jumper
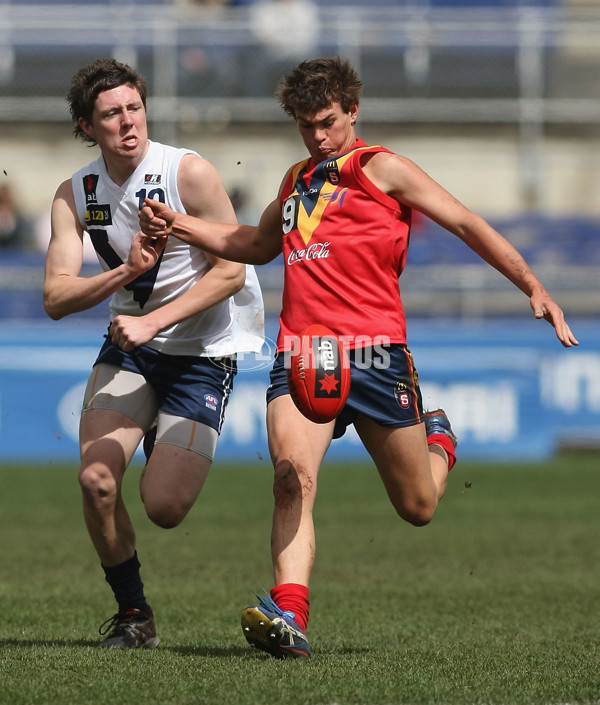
point(178, 317)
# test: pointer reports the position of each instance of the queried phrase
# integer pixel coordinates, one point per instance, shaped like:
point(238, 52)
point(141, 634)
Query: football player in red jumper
point(342, 221)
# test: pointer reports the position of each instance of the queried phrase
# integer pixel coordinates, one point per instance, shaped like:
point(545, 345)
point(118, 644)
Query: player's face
point(119, 123)
point(328, 132)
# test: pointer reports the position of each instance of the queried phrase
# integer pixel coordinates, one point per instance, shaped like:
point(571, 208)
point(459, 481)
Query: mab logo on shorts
point(211, 401)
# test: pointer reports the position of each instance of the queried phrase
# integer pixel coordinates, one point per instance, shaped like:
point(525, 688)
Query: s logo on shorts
point(402, 395)
point(211, 401)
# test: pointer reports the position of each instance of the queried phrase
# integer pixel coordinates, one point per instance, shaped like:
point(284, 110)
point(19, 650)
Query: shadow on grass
point(24, 643)
point(183, 650)
point(206, 650)
point(249, 651)
point(191, 650)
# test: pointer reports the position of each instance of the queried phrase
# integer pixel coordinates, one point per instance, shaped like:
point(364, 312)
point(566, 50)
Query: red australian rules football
point(319, 374)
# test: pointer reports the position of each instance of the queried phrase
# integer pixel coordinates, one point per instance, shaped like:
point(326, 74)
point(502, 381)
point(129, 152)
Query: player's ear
point(86, 127)
point(353, 113)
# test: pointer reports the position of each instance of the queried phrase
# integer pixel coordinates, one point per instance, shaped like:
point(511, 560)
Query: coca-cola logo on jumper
point(318, 250)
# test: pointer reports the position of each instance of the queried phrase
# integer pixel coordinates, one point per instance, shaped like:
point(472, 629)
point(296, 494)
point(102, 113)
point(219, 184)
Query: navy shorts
point(384, 387)
point(192, 387)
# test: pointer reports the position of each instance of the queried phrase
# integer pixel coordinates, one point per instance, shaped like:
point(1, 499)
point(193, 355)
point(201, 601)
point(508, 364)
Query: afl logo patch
point(211, 401)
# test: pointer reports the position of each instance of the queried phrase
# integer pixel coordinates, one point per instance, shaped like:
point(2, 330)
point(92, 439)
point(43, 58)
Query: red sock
point(441, 439)
point(293, 597)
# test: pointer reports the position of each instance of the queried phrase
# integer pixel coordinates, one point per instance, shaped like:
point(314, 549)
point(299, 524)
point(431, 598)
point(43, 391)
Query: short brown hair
point(315, 84)
point(93, 79)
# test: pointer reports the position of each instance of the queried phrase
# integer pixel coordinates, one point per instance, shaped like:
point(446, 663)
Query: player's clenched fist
point(156, 219)
point(129, 332)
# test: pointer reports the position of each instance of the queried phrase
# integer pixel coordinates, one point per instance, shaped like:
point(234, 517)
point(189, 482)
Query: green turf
point(496, 601)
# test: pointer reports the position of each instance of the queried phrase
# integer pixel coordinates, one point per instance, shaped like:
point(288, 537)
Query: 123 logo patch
point(98, 215)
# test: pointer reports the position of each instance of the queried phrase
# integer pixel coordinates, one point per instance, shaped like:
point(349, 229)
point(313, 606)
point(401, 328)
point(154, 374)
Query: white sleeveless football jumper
point(109, 214)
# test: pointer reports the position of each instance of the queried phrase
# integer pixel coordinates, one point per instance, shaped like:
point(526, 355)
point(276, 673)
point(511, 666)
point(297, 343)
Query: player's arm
point(64, 290)
point(203, 195)
point(408, 184)
point(240, 243)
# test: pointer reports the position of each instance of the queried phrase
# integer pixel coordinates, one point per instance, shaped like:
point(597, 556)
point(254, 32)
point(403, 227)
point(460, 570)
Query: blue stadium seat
point(542, 240)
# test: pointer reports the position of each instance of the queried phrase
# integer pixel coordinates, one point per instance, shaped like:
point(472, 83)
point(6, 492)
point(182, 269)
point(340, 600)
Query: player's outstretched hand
point(544, 306)
point(156, 218)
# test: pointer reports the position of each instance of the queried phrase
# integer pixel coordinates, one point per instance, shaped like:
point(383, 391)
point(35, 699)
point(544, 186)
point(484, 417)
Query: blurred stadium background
point(499, 100)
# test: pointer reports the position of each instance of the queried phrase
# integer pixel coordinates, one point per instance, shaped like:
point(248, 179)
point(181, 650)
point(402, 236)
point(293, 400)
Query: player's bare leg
point(413, 473)
point(297, 448)
point(438, 459)
point(277, 624)
point(108, 440)
point(171, 483)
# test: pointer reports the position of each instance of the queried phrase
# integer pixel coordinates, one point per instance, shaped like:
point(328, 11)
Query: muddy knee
point(290, 484)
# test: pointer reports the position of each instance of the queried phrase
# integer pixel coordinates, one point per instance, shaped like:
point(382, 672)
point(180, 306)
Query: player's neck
point(121, 167)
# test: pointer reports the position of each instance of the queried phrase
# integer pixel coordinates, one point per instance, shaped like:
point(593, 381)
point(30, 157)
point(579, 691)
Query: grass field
point(496, 601)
